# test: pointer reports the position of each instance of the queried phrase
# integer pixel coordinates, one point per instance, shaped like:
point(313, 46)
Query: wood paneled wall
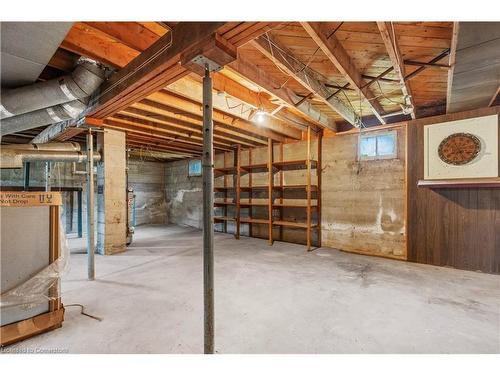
point(450, 227)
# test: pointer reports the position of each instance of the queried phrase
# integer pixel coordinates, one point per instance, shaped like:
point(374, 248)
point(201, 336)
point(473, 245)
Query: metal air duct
point(13, 156)
point(84, 80)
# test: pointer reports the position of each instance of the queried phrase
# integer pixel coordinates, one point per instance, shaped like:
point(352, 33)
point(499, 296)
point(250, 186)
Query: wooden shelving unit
point(274, 200)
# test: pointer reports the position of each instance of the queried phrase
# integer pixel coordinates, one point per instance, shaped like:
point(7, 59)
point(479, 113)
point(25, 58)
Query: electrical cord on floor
point(82, 311)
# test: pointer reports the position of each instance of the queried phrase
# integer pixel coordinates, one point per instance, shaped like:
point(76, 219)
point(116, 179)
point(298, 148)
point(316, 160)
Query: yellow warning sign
point(30, 198)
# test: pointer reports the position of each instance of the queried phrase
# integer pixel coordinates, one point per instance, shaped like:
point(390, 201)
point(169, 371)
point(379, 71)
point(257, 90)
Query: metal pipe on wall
point(208, 226)
point(90, 206)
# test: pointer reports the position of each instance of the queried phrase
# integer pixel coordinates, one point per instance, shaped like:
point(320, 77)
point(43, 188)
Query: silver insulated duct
point(45, 103)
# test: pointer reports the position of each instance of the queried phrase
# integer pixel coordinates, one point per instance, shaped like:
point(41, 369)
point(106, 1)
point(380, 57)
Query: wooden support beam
point(334, 50)
point(262, 79)
point(451, 62)
point(155, 67)
point(304, 75)
point(391, 44)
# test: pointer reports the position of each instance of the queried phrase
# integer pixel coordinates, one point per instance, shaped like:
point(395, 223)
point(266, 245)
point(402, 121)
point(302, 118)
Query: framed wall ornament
point(463, 149)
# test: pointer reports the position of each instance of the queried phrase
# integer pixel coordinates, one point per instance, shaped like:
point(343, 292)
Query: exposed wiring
point(82, 311)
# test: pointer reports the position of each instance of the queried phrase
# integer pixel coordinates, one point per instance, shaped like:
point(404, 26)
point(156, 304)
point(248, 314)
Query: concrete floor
point(277, 299)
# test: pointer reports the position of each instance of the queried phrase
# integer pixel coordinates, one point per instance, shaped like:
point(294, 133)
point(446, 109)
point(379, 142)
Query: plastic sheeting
point(44, 286)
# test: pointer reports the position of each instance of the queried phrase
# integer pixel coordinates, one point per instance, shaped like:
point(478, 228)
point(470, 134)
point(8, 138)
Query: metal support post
point(208, 226)
point(80, 214)
point(27, 166)
point(90, 206)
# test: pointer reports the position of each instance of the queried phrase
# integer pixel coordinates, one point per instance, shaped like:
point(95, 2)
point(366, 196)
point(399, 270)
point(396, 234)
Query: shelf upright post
point(308, 183)
point(270, 189)
point(250, 194)
point(224, 224)
point(236, 188)
point(282, 190)
point(319, 171)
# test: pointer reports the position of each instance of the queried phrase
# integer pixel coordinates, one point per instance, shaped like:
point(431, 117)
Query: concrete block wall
point(148, 181)
point(183, 195)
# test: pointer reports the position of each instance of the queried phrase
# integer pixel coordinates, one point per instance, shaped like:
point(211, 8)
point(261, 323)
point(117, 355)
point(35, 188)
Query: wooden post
point(208, 226)
point(319, 171)
point(250, 194)
point(308, 183)
point(224, 207)
point(237, 154)
point(270, 189)
point(282, 191)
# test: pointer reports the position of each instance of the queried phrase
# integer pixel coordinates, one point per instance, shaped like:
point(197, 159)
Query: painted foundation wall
point(363, 203)
point(183, 195)
point(148, 181)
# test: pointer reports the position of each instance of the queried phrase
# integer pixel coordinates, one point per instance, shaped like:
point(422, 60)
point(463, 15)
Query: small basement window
point(379, 146)
point(194, 169)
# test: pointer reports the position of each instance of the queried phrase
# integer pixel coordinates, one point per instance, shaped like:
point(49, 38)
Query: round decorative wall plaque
point(459, 148)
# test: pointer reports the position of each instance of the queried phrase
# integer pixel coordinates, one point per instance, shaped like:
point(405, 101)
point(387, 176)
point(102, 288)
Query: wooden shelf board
point(224, 203)
point(248, 220)
point(255, 168)
point(461, 183)
point(225, 170)
point(253, 204)
point(224, 218)
point(293, 224)
point(277, 187)
point(293, 164)
point(297, 205)
point(223, 188)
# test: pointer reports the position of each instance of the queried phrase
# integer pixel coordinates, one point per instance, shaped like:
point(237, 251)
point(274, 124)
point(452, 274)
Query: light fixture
point(260, 116)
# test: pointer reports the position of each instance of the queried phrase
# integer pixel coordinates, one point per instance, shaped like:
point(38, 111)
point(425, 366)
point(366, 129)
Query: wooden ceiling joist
point(152, 69)
point(304, 75)
point(183, 105)
point(132, 34)
point(192, 89)
point(389, 37)
point(87, 41)
point(183, 133)
point(167, 112)
point(336, 53)
point(262, 79)
point(182, 145)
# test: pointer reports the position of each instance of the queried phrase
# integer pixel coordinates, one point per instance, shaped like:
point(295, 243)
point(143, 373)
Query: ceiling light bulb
point(260, 116)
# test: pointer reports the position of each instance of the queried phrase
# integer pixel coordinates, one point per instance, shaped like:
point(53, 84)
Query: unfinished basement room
point(250, 187)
